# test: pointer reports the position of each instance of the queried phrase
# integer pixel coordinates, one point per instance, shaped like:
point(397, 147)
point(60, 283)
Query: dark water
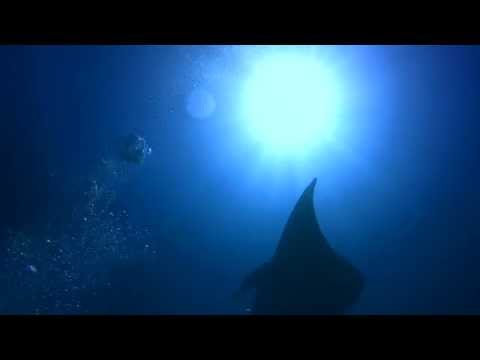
point(82, 232)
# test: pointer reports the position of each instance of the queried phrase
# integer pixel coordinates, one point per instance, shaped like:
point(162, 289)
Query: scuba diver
point(134, 149)
point(124, 151)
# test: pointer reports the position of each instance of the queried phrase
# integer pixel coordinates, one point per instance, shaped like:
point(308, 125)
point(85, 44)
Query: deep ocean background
point(178, 233)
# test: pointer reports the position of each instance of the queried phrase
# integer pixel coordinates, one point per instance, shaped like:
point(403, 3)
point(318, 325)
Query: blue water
point(82, 232)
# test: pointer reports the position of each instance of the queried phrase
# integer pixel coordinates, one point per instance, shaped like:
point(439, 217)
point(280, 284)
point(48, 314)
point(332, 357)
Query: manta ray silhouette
point(305, 275)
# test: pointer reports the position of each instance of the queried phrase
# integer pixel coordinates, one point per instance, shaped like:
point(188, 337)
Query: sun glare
point(289, 103)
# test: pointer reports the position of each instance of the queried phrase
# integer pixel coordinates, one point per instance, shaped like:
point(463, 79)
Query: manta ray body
point(305, 274)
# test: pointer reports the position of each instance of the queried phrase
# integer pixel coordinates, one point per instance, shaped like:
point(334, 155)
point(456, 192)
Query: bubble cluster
point(50, 271)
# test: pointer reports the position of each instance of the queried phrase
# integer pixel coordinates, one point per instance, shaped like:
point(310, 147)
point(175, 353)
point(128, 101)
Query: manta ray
point(305, 276)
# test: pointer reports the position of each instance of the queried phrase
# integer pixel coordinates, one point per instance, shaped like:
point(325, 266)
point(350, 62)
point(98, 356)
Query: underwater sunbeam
point(289, 103)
